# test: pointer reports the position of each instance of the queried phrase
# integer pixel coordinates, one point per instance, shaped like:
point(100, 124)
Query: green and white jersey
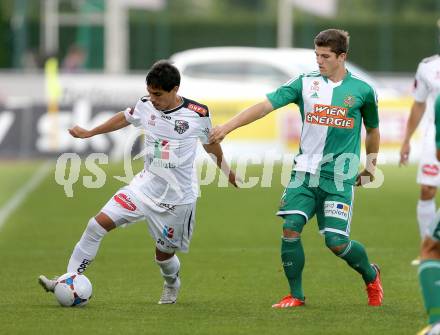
point(437, 122)
point(332, 115)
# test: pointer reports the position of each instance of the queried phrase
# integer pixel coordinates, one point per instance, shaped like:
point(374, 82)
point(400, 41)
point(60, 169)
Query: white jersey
point(169, 175)
point(426, 89)
point(427, 84)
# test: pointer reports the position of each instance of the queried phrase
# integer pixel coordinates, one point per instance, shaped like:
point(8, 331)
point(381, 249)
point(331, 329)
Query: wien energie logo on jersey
point(330, 116)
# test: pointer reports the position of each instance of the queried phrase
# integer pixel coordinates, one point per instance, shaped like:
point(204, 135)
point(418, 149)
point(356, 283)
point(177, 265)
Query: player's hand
point(217, 134)
point(79, 132)
point(234, 179)
point(404, 153)
point(364, 177)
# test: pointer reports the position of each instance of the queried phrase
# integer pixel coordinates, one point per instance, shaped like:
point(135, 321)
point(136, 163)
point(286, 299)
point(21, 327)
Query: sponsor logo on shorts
point(165, 244)
point(167, 206)
point(125, 201)
point(336, 209)
point(168, 232)
point(430, 169)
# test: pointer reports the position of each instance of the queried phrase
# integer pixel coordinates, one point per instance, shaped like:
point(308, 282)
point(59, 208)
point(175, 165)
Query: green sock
point(356, 256)
point(429, 276)
point(292, 255)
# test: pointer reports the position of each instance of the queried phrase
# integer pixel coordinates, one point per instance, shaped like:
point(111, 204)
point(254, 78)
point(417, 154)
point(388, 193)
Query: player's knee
point(427, 192)
point(104, 221)
point(287, 233)
point(293, 225)
point(430, 249)
point(337, 243)
point(163, 256)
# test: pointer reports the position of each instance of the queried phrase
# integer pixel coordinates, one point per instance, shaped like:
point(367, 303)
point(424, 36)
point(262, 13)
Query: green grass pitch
point(230, 277)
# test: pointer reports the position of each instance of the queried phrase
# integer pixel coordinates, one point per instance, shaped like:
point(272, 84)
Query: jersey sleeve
point(421, 88)
point(133, 115)
point(205, 128)
point(437, 122)
point(369, 111)
point(286, 94)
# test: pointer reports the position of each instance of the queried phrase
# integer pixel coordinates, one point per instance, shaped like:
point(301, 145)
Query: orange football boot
point(289, 301)
point(375, 290)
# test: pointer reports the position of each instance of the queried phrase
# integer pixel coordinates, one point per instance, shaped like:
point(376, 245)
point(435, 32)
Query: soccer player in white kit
point(165, 191)
point(426, 89)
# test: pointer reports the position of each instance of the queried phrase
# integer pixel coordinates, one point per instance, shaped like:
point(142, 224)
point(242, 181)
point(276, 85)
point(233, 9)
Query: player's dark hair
point(163, 75)
point(336, 39)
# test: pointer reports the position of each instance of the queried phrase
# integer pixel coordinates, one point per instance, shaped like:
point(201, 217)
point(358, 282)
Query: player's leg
point(169, 265)
point(120, 209)
point(292, 253)
point(429, 272)
point(426, 208)
point(87, 247)
point(334, 219)
point(353, 253)
point(428, 176)
point(297, 205)
point(425, 212)
point(172, 230)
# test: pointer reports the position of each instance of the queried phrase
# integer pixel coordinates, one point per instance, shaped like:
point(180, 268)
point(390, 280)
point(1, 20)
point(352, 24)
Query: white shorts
point(171, 226)
point(429, 168)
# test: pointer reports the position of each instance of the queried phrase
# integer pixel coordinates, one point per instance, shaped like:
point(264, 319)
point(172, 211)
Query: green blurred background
point(388, 35)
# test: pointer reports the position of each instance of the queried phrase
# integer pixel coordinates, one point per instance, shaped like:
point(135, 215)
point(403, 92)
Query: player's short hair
point(336, 39)
point(163, 75)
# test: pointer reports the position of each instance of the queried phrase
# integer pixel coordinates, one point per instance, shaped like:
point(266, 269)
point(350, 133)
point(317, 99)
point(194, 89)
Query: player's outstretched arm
point(249, 115)
point(216, 153)
point(417, 110)
point(116, 122)
point(372, 141)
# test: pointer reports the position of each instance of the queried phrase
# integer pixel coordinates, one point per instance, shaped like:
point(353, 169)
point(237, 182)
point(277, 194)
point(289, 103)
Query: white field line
point(24, 191)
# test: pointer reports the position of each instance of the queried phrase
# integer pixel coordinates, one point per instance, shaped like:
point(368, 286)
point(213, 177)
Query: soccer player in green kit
point(429, 268)
point(333, 104)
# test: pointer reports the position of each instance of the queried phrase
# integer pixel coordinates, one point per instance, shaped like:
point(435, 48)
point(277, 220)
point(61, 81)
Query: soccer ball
point(73, 289)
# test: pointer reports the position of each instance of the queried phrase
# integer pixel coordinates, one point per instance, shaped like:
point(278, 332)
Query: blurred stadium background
point(66, 62)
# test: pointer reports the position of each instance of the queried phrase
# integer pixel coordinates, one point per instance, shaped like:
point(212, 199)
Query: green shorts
point(308, 195)
point(434, 228)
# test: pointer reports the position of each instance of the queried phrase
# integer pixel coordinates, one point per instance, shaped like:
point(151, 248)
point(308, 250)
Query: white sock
point(170, 271)
point(425, 215)
point(87, 247)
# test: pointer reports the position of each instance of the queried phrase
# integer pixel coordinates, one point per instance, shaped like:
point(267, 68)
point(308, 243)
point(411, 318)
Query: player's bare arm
point(247, 116)
point(417, 110)
point(372, 141)
point(216, 150)
point(116, 122)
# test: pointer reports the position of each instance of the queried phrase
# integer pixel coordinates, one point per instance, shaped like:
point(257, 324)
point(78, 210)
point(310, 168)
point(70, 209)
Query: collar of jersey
point(347, 75)
point(177, 108)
